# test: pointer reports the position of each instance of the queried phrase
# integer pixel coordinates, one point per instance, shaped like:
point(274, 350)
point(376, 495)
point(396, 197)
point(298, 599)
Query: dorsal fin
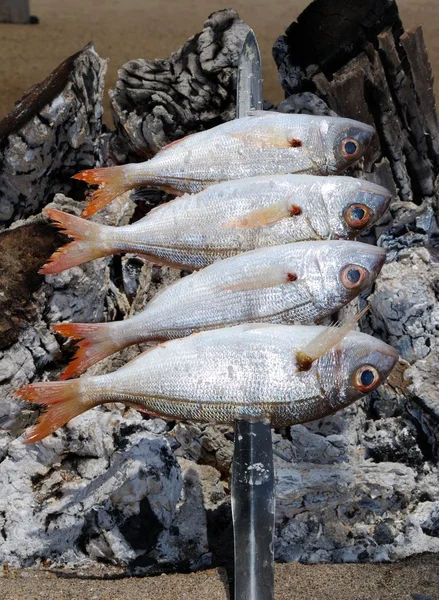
point(175, 142)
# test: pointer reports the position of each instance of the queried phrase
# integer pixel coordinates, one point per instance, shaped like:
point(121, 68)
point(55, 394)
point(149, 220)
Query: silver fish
point(228, 218)
point(293, 283)
point(247, 371)
point(263, 143)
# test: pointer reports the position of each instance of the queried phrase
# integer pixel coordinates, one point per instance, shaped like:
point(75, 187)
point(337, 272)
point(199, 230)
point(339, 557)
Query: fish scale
point(248, 369)
point(193, 231)
point(290, 283)
point(260, 143)
point(227, 219)
point(263, 143)
point(215, 295)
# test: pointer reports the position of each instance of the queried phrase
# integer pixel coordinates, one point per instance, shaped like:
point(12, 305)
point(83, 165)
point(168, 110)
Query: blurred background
point(127, 29)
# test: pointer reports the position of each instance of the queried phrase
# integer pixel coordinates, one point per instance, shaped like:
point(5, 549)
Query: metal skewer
point(249, 84)
point(253, 498)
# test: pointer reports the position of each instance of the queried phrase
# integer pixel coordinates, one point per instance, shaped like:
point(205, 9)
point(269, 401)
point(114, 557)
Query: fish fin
point(155, 260)
point(94, 343)
point(146, 411)
point(260, 217)
point(326, 340)
point(268, 137)
point(175, 143)
point(64, 400)
point(85, 247)
point(169, 189)
point(264, 278)
point(265, 139)
point(112, 182)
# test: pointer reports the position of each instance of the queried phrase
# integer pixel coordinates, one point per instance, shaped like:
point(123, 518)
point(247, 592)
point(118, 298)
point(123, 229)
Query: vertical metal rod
point(249, 84)
point(253, 503)
point(253, 497)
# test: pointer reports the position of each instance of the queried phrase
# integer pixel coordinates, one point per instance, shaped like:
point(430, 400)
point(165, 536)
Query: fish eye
point(357, 215)
point(352, 276)
point(366, 378)
point(350, 148)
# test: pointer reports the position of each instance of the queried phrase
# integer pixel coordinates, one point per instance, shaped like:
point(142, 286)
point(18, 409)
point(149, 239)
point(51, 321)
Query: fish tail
point(94, 342)
point(112, 182)
point(87, 244)
point(64, 400)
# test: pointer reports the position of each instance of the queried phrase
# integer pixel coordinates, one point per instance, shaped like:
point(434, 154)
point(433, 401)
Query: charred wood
point(158, 101)
point(365, 67)
point(52, 133)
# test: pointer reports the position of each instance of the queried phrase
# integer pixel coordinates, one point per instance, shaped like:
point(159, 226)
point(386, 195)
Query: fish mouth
point(373, 262)
point(376, 198)
point(374, 188)
point(364, 134)
point(384, 357)
point(377, 262)
point(374, 255)
point(361, 133)
point(370, 129)
point(376, 250)
point(328, 169)
point(380, 195)
point(388, 360)
point(390, 352)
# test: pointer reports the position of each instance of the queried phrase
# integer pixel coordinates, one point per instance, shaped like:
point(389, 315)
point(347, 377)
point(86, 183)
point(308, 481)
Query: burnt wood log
point(365, 67)
point(327, 34)
point(52, 133)
point(158, 101)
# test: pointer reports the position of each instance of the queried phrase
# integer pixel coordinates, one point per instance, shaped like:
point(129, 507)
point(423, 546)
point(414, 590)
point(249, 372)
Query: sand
point(414, 579)
point(127, 29)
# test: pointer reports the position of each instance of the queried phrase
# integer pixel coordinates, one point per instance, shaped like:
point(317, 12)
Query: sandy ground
point(413, 579)
point(127, 29)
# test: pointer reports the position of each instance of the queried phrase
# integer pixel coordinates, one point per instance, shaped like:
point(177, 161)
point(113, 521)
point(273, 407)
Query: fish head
point(354, 368)
point(341, 270)
point(352, 206)
point(345, 142)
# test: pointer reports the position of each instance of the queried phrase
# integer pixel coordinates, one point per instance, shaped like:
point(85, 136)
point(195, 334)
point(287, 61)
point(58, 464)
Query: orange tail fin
point(112, 183)
point(64, 401)
point(87, 244)
point(95, 343)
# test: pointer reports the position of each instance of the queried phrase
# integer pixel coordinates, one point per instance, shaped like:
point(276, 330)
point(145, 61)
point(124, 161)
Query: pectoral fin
point(263, 278)
point(324, 341)
point(267, 138)
point(260, 217)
